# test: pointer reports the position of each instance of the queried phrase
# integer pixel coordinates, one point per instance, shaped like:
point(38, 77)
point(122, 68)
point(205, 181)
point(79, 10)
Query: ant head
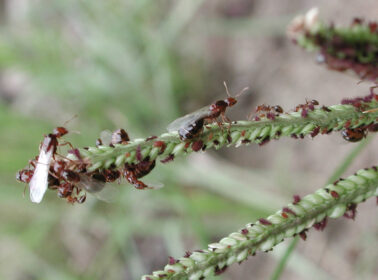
point(232, 100)
point(19, 175)
point(60, 131)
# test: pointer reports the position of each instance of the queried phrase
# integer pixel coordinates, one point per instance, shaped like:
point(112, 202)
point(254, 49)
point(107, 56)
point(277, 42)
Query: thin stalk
point(321, 120)
point(332, 201)
point(335, 176)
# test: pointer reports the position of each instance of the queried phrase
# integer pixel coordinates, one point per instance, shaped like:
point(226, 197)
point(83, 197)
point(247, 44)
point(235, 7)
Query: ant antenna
point(73, 117)
point(242, 91)
point(225, 85)
point(237, 95)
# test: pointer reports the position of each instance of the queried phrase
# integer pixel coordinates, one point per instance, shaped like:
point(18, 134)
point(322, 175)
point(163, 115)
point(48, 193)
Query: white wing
point(38, 183)
point(189, 118)
point(106, 137)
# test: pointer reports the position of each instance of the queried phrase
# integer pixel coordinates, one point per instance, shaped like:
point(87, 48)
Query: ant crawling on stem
point(191, 125)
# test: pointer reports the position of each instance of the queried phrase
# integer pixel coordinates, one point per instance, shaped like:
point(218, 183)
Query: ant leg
point(220, 125)
point(225, 119)
point(23, 195)
point(62, 144)
point(66, 143)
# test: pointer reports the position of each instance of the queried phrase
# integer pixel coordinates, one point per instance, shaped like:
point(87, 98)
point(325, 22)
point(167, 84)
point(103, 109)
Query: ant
point(309, 106)
point(132, 172)
point(353, 135)
point(271, 112)
point(107, 137)
point(111, 175)
point(120, 136)
point(190, 126)
point(67, 190)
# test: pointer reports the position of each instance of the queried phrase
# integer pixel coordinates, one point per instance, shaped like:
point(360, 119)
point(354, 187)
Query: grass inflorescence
point(322, 120)
point(340, 48)
point(332, 201)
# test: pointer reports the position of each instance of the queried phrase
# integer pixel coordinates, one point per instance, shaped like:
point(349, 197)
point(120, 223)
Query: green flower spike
point(168, 145)
point(332, 201)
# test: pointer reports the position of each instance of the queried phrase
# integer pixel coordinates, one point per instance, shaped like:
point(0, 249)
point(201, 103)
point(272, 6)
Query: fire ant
point(353, 135)
point(309, 106)
point(190, 126)
point(119, 136)
point(111, 175)
point(24, 175)
point(132, 172)
point(67, 190)
point(271, 112)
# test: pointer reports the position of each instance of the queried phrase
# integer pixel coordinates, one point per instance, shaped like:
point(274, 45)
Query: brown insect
point(190, 126)
point(309, 106)
point(120, 137)
point(270, 112)
point(132, 172)
point(353, 135)
point(109, 138)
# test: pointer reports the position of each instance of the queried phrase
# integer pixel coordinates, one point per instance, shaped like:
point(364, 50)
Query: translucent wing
point(99, 189)
point(89, 184)
point(38, 183)
point(106, 137)
point(108, 194)
point(189, 118)
point(154, 185)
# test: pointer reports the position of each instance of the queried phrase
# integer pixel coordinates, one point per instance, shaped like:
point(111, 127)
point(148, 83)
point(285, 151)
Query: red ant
point(190, 126)
point(271, 112)
point(119, 136)
point(309, 106)
point(353, 135)
point(132, 172)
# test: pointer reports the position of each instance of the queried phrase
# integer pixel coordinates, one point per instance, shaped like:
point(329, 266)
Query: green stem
point(332, 201)
point(335, 176)
point(291, 124)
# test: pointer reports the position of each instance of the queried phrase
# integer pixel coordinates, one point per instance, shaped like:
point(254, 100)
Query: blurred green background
point(139, 65)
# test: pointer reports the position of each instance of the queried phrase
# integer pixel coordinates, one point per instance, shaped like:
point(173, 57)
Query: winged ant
point(191, 125)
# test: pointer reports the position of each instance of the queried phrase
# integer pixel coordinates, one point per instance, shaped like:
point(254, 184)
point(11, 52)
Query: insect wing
point(38, 183)
point(154, 185)
point(108, 194)
point(106, 137)
point(89, 184)
point(189, 118)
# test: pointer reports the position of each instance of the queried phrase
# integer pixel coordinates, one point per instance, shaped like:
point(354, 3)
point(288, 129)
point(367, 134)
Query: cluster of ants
point(340, 54)
point(72, 179)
